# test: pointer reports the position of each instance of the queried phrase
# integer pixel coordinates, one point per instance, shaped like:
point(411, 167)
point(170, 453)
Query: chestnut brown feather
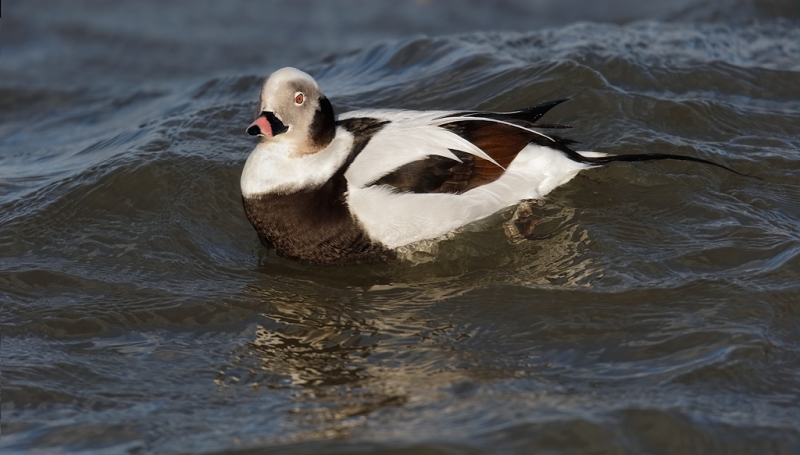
point(438, 174)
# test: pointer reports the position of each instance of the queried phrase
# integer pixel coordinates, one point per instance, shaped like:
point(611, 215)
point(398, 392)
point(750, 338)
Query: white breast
point(275, 166)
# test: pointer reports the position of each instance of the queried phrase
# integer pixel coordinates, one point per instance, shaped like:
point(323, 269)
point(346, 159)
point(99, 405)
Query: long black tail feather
point(647, 157)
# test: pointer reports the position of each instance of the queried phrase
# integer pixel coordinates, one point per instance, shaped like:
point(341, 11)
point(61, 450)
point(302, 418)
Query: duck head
point(292, 109)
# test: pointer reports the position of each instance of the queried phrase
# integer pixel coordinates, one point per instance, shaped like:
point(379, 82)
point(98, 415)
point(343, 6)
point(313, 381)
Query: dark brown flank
point(314, 226)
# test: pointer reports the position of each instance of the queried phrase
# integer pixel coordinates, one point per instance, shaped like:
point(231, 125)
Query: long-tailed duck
point(352, 189)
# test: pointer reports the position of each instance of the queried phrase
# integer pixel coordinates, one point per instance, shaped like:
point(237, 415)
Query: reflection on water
point(303, 344)
point(346, 359)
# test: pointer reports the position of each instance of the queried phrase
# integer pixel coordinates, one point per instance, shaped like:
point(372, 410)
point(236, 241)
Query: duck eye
point(299, 98)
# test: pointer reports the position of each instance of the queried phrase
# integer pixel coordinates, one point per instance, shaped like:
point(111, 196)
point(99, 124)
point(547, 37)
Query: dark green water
point(658, 311)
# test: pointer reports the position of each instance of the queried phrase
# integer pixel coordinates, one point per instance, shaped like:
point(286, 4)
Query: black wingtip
point(529, 114)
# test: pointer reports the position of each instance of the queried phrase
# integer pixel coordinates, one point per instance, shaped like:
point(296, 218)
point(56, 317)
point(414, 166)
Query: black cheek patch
point(323, 127)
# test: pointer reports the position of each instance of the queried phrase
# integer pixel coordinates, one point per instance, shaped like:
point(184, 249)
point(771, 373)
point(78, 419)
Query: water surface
point(654, 311)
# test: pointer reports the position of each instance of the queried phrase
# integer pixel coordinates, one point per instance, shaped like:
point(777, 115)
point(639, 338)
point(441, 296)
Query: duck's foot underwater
point(523, 223)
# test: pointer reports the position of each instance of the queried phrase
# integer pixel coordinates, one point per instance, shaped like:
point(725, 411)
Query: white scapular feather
point(446, 120)
point(410, 136)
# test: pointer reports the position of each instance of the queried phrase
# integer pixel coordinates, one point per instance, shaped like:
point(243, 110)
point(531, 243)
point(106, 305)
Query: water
point(656, 311)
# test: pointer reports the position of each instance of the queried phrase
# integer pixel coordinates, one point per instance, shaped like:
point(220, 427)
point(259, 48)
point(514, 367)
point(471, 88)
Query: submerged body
point(354, 188)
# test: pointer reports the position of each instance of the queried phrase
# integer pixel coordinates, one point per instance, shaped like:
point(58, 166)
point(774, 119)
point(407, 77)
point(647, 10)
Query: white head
point(292, 109)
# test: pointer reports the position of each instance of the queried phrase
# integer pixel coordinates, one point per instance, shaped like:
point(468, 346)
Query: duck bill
point(267, 125)
point(260, 127)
